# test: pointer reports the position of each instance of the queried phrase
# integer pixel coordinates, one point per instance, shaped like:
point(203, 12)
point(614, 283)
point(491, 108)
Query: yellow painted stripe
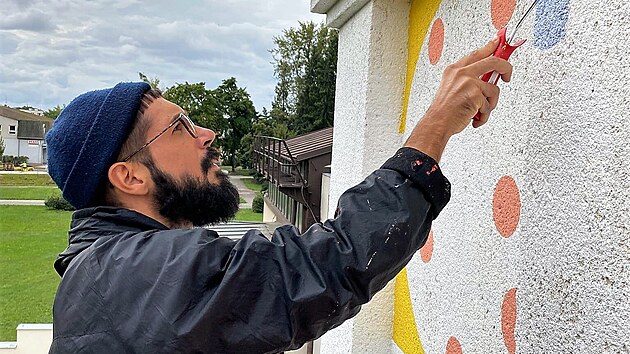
point(405, 329)
point(421, 15)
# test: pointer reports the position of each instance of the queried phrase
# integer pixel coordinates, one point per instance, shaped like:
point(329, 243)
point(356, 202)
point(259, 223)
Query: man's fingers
point(489, 103)
point(483, 118)
point(494, 101)
point(490, 91)
point(491, 64)
point(479, 54)
point(485, 106)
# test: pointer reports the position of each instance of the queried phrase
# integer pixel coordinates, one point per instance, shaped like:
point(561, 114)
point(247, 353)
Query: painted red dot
point(453, 346)
point(508, 320)
point(502, 11)
point(436, 41)
point(426, 252)
point(506, 206)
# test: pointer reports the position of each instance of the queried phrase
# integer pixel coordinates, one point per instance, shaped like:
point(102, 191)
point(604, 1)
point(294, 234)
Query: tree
point(2, 147)
point(154, 82)
point(227, 110)
point(263, 125)
point(198, 102)
point(54, 112)
point(236, 107)
point(305, 64)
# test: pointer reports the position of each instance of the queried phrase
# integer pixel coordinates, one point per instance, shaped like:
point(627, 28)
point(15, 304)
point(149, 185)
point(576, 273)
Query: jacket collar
point(90, 224)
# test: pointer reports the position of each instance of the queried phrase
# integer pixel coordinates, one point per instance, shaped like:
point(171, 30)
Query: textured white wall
point(347, 154)
point(560, 133)
point(350, 103)
point(369, 95)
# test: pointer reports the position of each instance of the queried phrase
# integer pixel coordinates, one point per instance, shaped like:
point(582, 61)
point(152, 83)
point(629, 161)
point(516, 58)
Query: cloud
point(54, 50)
point(8, 42)
point(33, 20)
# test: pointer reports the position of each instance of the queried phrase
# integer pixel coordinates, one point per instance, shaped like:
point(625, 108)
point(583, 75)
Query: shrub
point(58, 203)
point(258, 177)
point(16, 160)
point(258, 204)
point(20, 160)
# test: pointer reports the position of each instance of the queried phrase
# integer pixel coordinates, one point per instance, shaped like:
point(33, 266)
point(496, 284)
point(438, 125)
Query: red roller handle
point(503, 51)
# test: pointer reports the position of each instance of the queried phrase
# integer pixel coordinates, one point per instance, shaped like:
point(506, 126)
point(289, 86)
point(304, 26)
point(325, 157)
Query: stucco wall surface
point(347, 153)
point(532, 255)
point(350, 102)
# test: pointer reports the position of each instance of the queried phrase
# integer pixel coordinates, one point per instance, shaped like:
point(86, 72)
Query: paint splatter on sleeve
point(425, 173)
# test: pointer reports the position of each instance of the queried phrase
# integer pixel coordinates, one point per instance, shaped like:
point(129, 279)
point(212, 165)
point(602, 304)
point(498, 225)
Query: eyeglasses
point(181, 118)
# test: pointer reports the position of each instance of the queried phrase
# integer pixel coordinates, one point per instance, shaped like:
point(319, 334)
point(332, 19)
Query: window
point(12, 129)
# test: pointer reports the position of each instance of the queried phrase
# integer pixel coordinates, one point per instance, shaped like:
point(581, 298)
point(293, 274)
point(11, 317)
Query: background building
point(532, 254)
point(23, 134)
point(294, 169)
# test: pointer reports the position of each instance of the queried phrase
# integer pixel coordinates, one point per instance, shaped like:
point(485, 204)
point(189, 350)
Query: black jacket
point(131, 285)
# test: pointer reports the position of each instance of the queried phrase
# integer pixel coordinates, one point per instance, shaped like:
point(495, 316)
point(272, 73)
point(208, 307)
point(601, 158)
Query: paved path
point(21, 202)
point(243, 191)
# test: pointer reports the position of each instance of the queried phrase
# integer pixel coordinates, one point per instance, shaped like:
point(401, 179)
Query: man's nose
point(205, 136)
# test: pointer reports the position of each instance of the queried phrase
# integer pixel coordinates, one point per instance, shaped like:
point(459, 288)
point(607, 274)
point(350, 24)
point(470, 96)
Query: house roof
point(310, 145)
point(18, 115)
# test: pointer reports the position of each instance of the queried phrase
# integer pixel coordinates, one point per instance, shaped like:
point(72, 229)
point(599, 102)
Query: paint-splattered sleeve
point(423, 171)
point(293, 288)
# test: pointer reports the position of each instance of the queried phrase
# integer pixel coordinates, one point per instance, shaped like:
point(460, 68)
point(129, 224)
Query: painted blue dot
point(550, 23)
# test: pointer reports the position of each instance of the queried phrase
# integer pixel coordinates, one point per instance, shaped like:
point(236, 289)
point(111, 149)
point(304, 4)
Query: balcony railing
point(273, 159)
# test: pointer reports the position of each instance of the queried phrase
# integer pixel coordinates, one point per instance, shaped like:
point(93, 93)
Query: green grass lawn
point(238, 171)
point(28, 192)
point(248, 215)
point(18, 179)
point(252, 184)
point(30, 239)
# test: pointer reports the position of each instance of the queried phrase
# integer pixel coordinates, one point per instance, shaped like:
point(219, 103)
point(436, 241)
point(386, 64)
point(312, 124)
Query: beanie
point(86, 138)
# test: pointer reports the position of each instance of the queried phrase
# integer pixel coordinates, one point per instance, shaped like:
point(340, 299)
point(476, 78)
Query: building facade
point(532, 253)
point(23, 134)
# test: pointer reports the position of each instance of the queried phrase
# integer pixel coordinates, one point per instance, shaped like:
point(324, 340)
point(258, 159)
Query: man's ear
point(129, 178)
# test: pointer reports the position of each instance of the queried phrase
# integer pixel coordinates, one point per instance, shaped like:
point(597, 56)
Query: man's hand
point(461, 95)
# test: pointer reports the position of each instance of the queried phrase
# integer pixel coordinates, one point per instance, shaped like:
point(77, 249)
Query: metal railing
point(273, 159)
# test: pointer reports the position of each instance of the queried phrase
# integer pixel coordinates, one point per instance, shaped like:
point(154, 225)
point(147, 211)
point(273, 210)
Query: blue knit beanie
point(87, 136)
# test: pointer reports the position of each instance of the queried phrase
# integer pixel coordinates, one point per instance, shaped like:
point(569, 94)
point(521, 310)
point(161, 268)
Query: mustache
point(212, 153)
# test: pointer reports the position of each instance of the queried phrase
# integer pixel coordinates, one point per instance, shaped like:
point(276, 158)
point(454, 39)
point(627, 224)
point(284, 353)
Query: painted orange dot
point(436, 41)
point(508, 320)
point(506, 206)
point(502, 11)
point(453, 346)
point(427, 250)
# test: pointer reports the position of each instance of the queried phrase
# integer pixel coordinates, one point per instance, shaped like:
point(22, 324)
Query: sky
point(53, 50)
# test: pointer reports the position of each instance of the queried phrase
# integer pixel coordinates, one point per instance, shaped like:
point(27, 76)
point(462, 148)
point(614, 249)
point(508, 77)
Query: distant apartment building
point(23, 134)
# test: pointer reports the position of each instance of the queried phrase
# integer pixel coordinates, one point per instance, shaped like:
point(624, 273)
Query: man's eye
point(177, 127)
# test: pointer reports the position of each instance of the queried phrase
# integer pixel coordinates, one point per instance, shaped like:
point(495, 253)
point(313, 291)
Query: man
point(138, 278)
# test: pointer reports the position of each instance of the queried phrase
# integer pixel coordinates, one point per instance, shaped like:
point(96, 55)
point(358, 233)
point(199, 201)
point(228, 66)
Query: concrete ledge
point(322, 6)
point(338, 12)
point(32, 338)
point(35, 327)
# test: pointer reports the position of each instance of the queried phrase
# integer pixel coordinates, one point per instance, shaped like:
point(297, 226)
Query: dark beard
point(194, 201)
